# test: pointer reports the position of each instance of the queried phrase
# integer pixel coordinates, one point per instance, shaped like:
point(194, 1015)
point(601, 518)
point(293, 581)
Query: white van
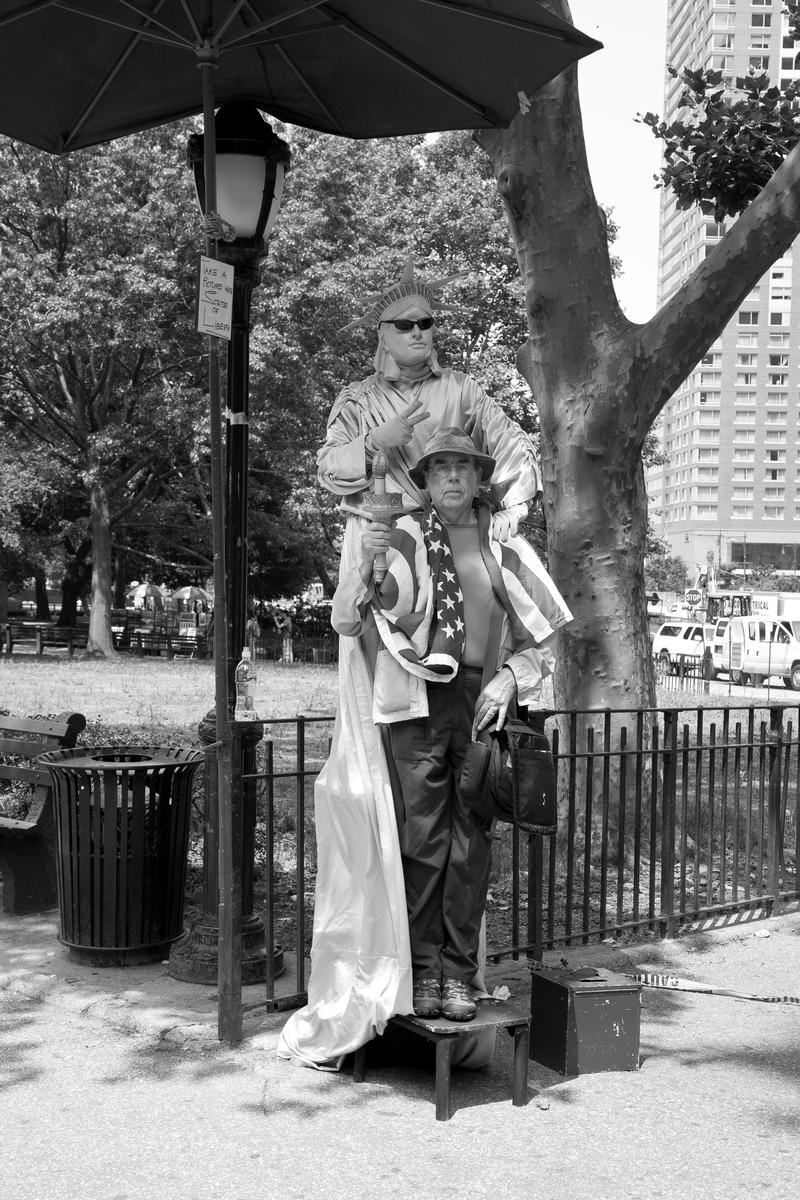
point(751, 649)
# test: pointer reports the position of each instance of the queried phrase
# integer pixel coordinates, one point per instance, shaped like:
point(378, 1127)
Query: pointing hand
point(400, 430)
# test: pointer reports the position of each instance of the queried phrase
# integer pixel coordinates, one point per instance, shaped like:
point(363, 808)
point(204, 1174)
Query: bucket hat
point(450, 441)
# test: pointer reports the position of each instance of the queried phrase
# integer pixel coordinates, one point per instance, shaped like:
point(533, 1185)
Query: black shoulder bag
point(510, 775)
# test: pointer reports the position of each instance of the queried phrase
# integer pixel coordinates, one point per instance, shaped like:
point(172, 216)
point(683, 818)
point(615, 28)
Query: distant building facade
point(730, 489)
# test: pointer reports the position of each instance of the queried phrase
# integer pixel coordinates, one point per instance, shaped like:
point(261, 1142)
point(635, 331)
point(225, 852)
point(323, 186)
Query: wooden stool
point(446, 1036)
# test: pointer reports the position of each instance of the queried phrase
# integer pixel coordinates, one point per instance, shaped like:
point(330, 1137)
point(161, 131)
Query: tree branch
point(676, 338)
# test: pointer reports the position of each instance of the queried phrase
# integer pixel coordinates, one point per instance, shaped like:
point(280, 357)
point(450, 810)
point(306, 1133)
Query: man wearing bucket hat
point(466, 624)
point(361, 963)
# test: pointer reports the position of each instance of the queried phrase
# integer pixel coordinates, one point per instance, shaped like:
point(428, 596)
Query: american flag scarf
point(428, 644)
point(423, 626)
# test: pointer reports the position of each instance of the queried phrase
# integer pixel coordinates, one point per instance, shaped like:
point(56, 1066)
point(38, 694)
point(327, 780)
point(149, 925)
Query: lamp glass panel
point(240, 191)
point(277, 193)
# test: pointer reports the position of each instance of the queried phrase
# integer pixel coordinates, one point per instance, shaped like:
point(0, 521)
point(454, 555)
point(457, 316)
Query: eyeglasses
point(402, 325)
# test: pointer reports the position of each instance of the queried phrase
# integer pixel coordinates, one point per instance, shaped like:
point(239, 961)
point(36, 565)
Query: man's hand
point(374, 540)
point(506, 522)
point(399, 431)
point(494, 700)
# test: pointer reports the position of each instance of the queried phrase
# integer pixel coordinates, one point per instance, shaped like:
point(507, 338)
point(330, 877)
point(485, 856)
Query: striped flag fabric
point(420, 614)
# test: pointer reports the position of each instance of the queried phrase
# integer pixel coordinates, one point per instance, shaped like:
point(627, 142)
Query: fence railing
point(666, 816)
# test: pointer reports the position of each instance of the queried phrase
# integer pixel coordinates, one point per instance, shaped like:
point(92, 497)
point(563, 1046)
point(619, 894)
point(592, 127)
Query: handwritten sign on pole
point(214, 297)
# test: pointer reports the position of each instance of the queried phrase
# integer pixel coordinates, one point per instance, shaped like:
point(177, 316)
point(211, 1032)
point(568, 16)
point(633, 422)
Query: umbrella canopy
point(147, 591)
point(85, 72)
point(192, 593)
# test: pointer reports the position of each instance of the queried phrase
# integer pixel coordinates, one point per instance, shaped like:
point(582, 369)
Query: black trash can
point(122, 820)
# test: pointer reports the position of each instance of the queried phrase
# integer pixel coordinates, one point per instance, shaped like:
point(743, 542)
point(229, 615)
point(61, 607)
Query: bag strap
point(492, 644)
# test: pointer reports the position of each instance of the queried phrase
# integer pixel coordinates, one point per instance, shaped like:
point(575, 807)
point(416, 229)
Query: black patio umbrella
point(74, 73)
point(85, 71)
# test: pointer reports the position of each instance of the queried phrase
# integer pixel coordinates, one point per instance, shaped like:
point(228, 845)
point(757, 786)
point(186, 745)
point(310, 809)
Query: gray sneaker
point(427, 999)
point(457, 1004)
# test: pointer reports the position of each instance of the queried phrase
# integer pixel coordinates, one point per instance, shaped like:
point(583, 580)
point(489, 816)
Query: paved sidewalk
point(713, 1111)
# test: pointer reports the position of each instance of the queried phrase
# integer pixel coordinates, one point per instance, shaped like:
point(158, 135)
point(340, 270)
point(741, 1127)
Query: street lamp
point(250, 167)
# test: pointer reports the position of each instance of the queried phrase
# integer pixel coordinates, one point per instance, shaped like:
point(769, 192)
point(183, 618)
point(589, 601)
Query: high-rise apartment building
point(730, 489)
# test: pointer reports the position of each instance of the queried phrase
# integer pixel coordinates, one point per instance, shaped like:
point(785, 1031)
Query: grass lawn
point(145, 700)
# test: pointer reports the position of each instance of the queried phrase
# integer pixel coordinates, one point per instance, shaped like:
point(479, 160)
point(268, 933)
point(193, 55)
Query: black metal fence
point(666, 816)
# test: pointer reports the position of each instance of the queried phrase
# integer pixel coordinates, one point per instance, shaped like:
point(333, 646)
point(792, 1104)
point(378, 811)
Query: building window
point(774, 474)
point(743, 473)
point(748, 316)
point(779, 339)
point(746, 339)
point(746, 378)
point(747, 360)
point(776, 318)
point(773, 512)
point(759, 62)
point(743, 493)
point(742, 512)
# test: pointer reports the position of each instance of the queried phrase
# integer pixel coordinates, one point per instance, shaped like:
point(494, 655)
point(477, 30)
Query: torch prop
point(381, 505)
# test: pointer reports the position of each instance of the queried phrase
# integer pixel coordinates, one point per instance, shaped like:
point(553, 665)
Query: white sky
point(626, 77)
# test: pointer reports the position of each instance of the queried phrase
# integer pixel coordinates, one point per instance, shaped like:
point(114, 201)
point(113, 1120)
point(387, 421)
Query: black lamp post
point(251, 163)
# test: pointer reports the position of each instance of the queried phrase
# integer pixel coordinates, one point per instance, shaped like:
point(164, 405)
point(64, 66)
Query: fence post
point(774, 823)
point(536, 896)
point(669, 780)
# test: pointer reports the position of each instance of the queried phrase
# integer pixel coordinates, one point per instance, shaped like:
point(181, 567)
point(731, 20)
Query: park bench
point(145, 642)
point(17, 633)
point(61, 637)
point(37, 638)
point(28, 844)
point(168, 644)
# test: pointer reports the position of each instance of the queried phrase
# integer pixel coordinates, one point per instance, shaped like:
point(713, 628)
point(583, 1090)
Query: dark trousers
point(446, 852)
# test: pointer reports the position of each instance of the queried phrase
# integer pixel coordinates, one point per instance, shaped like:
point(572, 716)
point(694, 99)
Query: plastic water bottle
point(245, 679)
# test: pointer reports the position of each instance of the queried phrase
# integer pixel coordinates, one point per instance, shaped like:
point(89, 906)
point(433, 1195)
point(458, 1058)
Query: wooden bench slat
point(28, 845)
point(35, 776)
point(14, 825)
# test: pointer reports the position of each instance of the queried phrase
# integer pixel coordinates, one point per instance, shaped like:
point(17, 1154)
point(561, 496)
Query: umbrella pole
point(229, 978)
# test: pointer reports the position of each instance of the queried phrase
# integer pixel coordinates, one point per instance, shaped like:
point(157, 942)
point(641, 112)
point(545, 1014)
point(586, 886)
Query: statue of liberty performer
point(361, 964)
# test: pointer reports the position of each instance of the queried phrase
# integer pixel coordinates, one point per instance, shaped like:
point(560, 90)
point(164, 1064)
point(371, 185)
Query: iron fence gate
point(666, 816)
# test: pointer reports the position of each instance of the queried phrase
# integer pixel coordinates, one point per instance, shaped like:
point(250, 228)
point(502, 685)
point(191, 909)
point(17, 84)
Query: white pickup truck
point(751, 649)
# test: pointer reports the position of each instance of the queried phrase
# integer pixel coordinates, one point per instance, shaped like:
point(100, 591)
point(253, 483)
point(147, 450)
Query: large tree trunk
point(594, 495)
point(73, 584)
point(100, 642)
point(599, 380)
point(40, 589)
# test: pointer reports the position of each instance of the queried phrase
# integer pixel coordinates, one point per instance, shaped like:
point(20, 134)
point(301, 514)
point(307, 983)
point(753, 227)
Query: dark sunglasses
point(404, 326)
